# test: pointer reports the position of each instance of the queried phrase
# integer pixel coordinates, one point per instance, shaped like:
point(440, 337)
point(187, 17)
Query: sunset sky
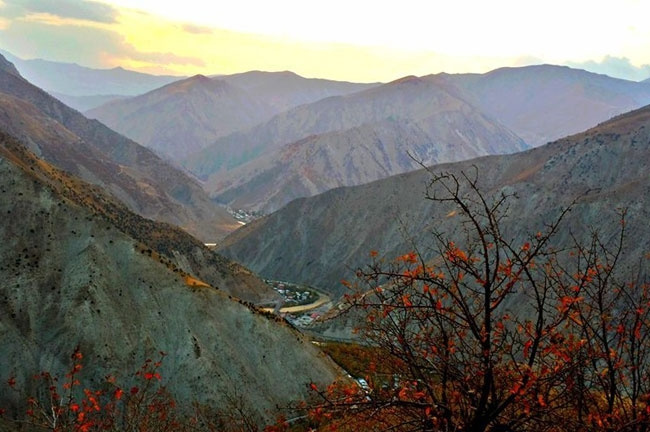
point(354, 40)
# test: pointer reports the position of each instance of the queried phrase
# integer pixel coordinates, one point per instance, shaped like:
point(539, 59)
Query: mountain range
point(82, 87)
point(369, 135)
point(87, 148)
point(322, 239)
point(184, 117)
point(307, 150)
point(286, 90)
point(545, 102)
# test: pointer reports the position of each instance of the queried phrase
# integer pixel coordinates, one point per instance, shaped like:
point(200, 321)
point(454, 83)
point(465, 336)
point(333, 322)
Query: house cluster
point(303, 320)
point(244, 216)
point(293, 294)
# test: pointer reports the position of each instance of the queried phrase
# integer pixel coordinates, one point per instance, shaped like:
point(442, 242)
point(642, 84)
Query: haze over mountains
point(84, 88)
point(604, 168)
point(185, 116)
point(286, 90)
point(87, 148)
point(211, 108)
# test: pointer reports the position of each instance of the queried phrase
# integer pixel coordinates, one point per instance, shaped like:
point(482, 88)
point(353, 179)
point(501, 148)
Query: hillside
point(409, 99)
point(321, 240)
point(544, 103)
point(359, 155)
point(185, 116)
point(147, 184)
point(79, 269)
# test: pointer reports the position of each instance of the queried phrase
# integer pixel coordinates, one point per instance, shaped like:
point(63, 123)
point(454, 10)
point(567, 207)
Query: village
point(301, 304)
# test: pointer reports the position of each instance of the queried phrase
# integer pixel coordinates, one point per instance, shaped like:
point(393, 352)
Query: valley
point(244, 250)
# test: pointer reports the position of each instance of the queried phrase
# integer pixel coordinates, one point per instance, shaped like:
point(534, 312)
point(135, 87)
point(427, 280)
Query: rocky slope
point(544, 103)
point(147, 184)
point(321, 240)
point(75, 272)
point(359, 155)
point(185, 116)
point(409, 99)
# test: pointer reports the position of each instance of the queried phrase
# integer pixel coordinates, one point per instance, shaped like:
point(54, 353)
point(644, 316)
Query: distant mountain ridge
point(410, 99)
point(331, 234)
point(546, 102)
point(87, 148)
point(74, 80)
point(185, 116)
point(286, 90)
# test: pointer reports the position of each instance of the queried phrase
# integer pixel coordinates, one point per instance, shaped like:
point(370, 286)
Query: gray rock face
point(321, 240)
point(72, 276)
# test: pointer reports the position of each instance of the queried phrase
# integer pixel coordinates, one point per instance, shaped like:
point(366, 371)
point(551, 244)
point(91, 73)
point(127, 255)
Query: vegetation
point(65, 405)
point(498, 335)
point(358, 360)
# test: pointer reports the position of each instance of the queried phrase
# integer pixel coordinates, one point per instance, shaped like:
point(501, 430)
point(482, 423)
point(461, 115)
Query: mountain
point(86, 103)
point(73, 80)
point(321, 240)
point(286, 90)
point(87, 148)
point(410, 99)
point(79, 269)
point(185, 116)
point(359, 155)
point(544, 103)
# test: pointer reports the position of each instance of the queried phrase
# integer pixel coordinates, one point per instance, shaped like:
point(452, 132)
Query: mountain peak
point(407, 79)
point(199, 77)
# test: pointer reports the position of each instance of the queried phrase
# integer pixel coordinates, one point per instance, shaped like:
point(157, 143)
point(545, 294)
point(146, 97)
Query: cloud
point(195, 29)
point(87, 45)
point(619, 67)
point(76, 9)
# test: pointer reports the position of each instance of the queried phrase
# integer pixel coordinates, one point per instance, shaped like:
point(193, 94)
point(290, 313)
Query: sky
point(354, 40)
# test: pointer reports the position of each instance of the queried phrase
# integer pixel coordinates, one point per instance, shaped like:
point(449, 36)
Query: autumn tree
point(496, 334)
point(611, 385)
